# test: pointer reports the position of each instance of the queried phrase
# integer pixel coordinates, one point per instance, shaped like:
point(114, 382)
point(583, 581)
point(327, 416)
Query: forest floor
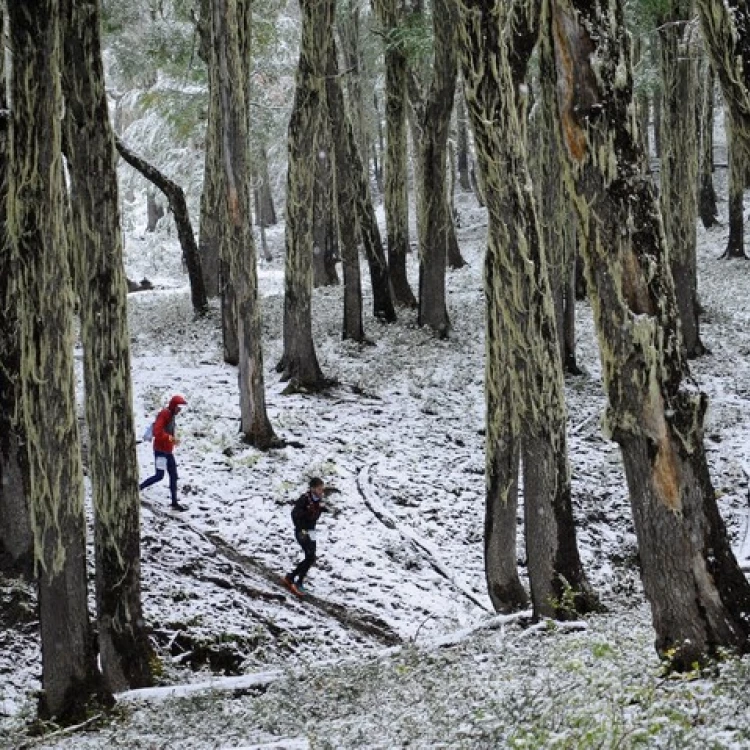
point(397, 645)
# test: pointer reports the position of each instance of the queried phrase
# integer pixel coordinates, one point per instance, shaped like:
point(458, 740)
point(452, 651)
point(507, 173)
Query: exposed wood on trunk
point(699, 597)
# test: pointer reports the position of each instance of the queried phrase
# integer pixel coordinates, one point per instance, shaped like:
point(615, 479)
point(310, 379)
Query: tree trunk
point(211, 217)
point(725, 24)
point(230, 32)
point(462, 130)
point(176, 197)
point(325, 232)
point(699, 597)
point(351, 47)
point(16, 540)
point(100, 278)
point(265, 211)
point(299, 363)
point(737, 159)
point(346, 198)
point(154, 211)
point(44, 299)
point(432, 201)
point(396, 156)
point(554, 205)
point(523, 361)
point(679, 165)
point(707, 208)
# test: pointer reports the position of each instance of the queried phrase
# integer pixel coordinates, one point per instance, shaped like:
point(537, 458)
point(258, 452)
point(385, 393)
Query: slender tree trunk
point(707, 208)
point(699, 597)
point(16, 541)
point(325, 232)
point(555, 208)
point(396, 156)
point(737, 159)
point(351, 47)
point(265, 211)
point(178, 205)
point(211, 217)
point(44, 298)
point(299, 362)
point(523, 356)
point(98, 259)
point(432, 199)
point(679, 165)
point(346, 199)
point(462, 130)
point(230, 30)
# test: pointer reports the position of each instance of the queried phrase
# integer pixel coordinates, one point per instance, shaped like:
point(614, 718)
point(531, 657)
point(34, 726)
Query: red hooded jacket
point(164, 426)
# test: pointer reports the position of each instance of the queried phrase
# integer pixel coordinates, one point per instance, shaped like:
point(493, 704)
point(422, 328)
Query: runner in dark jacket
point(305, 514)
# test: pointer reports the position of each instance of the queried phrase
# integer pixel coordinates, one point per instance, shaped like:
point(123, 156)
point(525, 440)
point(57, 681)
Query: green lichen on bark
point(524, 382)
point(700, 598)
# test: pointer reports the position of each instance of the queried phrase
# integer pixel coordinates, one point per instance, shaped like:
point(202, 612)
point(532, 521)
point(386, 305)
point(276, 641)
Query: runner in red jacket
point(165, 441)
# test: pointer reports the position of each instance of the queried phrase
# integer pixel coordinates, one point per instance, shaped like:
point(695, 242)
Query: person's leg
point(307, 563)
point(159, 472)
point(172, 469)
point(308, 547)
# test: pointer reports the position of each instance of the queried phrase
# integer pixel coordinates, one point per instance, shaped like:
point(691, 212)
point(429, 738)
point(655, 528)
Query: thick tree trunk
point(396, 156)
point(299, 363)
point(230, 32)
point(346, 213)
point(97, 255)
point(679, 165)
point(154, 211)
point(699, 597)
point(16, 541)
point(432, 200)
point(707, 208)
point(523, 358)
point(737, 159)
point(176, 197)
point(44, 299)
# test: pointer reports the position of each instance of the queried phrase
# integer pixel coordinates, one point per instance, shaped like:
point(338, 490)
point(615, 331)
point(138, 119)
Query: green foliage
point(183, 110)
point(413, 37)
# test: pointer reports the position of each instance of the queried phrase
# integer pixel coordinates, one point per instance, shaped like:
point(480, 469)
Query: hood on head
point(176, 401)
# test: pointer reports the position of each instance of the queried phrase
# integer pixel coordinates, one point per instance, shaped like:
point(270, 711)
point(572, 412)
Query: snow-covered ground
point(398, 644)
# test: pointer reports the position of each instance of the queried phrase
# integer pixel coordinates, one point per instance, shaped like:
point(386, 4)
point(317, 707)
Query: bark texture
point(346, 201)
point(300, 362)
point(679, 163)
point(707, 208)
point(44, 298)
point(432, 199)
point(16, 541)
point(230, 28)
point(699, 597)
point(97, 255)
point(524, 381)
point(396, 155)
point(737, 161)
point(726, 31)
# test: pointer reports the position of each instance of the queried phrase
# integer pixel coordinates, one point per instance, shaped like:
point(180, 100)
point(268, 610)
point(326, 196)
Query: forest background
point(396, 434)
